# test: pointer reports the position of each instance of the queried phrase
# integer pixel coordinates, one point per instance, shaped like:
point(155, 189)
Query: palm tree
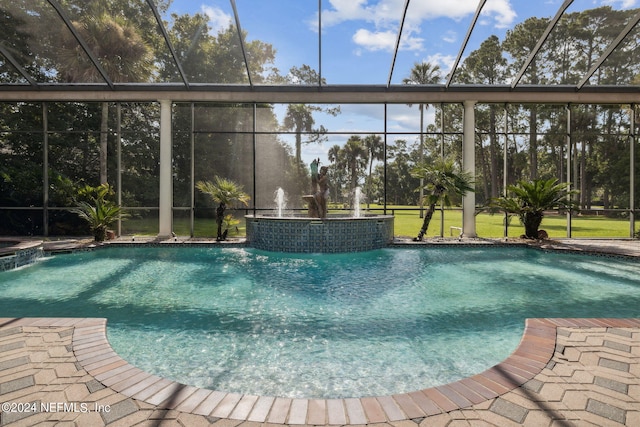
point(442, 179)
point(334, 153)
point(338, 171)
point(122, 52)
point(375, 148)
point(299, 117)
point(422, 74)
point(355, 155)
point(225, 192)
point(530, 200)
point(98, 212)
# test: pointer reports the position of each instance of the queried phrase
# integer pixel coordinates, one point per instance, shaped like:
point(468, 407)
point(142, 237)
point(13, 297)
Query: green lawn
point(407, 223)
point(201, 228)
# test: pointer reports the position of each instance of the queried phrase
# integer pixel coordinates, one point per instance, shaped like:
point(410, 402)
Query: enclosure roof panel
point(189, 45)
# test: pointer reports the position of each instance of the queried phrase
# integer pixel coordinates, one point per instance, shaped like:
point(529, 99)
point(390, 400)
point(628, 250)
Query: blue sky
point(359, 37)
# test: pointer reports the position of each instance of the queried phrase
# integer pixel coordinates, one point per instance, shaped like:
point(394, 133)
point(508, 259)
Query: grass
point(407, 224)
point(202, 227)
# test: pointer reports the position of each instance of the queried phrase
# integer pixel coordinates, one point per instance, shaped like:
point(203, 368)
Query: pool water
point(319, 326)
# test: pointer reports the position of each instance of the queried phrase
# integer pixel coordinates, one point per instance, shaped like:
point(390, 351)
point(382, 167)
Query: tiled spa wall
point(310, 235)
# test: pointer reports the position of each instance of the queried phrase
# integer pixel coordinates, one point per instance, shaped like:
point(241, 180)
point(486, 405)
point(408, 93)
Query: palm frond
point(442, 180)
point(223, 190)
point(530, 199)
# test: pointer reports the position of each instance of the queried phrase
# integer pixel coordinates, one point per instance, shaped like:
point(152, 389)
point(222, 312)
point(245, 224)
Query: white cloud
point(386, 12)
point(444, 61)
point(410, 42)
point(455, 10)
point(409, 123)
point(359, 10)
point(385, 15)
point(501, 11)
point(624, 4)
point(385, 40)
point(218, 19)
point(450, 36)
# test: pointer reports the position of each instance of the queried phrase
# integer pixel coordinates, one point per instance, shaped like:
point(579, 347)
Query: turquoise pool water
point(343, 325)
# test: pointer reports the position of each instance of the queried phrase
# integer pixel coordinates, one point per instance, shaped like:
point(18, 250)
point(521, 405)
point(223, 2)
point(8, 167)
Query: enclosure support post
point(45, 170)
point(505, 167)
point(192, 170)
point(166, 191)
point(569, 154)
point(420, 159)
point(254, 154)
point(384, 184)
point(469, 165)
point(119, 164)
point(442, 141)
point(632, 172)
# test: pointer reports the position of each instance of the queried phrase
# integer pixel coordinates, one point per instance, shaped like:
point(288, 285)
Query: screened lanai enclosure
point(153, 96)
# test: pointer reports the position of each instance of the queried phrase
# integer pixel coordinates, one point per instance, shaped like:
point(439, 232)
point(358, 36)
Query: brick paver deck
point(565, 372)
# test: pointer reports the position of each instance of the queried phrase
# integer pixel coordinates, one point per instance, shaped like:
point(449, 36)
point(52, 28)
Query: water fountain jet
point(357, 198)
point(318, 231)
point(281, 202)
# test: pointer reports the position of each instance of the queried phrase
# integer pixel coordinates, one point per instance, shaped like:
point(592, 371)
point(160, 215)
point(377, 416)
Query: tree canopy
point(216, 139)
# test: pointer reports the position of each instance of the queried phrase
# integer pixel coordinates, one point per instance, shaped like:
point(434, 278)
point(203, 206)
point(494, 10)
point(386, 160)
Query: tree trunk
point(485, 172)
point(512, 174)
point(533, 142)
point(605, 199)
point(100, 233)
point(368, 184)
point(425, 223)
point(299, 152)
point(104, 129)
point(531, 222)
point(583, 175)
point(493, 153)
point(219, 219)
point(561, 163)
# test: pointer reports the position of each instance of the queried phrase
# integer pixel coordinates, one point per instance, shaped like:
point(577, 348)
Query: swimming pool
point(339, 325)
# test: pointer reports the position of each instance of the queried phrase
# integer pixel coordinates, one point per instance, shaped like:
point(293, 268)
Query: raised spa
point(18, 253)
point(317, 231)
point(335, 233)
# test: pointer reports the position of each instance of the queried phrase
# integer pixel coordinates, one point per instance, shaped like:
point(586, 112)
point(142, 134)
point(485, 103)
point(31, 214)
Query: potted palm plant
point(530, 199)
point(97, 210)
point(225, 192)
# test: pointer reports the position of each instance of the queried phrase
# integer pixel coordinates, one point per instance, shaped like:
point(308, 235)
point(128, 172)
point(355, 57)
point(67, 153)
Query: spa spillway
point(332, 234)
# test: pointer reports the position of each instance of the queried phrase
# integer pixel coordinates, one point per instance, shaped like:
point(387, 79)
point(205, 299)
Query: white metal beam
point(407, 94)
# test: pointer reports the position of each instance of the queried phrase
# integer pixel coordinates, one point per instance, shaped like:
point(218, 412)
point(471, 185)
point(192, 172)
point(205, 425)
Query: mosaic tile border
point(23, 253)
point(314, 235)
point(9, 261)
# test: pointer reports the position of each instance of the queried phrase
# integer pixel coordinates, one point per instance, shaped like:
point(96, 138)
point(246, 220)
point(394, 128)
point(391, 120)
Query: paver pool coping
point(96, 356)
